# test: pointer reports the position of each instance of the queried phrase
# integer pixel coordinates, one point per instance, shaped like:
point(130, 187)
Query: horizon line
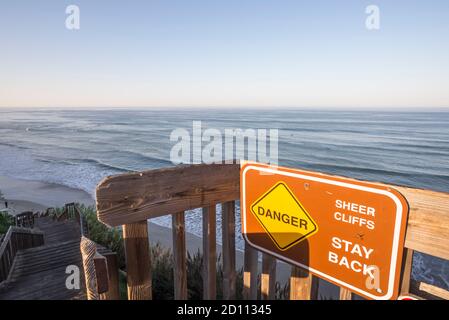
point(298, 108)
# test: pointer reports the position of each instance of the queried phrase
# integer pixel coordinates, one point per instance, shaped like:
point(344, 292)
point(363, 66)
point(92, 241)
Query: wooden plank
point(345, 294)
point(433, 290)
point(134, 197)
point(303, 285)
point(209, 253)
point(5, 249)
point(28, 241)
point(138, 266)
point(101, 273)
point(250, 273)
point(38, 240)
point(113, 280)
point(179, 255)
point(3, 268)
point(428, 222)
point(268, 277)
point(228, 249)
point(9, 256)
point(428, 291)
point(406, 271)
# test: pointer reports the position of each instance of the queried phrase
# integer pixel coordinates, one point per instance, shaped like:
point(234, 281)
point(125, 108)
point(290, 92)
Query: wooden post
point(209, 253)
point(345, 294)
point(16, 242)
point(179, 255)
point(101, 274)
point(228, 239)
point(250, 273)
point(303, 286)
point(28, 240)
point(3, 274)
point(113, 283)
point(406, 273)
point(138, 265)
point(268, 277)
point(38, 240)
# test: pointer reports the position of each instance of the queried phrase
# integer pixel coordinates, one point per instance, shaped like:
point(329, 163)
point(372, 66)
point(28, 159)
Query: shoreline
point(28, 195)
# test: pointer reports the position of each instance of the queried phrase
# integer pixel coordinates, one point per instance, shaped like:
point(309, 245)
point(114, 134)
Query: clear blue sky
point(224, 53)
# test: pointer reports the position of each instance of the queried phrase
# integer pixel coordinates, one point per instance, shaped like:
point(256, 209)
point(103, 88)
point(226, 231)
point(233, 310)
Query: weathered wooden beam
point(101, 273)
point(303, 285)
point(250, 273)
point(268, 277)
point(209, 253)
point(228, 249)
point(179, 255)
point(113, 292)
point(138, 265)
point(134, 197)
point(428, 291)
point(428, 221)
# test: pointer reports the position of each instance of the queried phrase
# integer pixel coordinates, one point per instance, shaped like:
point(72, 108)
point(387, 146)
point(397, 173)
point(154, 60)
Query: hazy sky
point(224, 53)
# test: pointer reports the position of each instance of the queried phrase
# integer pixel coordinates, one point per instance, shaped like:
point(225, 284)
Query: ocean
point(77, 148)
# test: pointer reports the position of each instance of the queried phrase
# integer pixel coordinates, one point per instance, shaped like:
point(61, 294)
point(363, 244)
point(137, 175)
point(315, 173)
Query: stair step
point(39, 273)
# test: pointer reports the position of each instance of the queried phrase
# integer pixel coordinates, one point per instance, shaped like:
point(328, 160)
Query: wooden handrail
point(135, 197)
point(131, 199)
point(14, 240)
point(105, 262)
point(100, 271)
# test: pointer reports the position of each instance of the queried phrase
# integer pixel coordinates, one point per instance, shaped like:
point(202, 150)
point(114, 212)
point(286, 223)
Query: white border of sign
point(397, 228)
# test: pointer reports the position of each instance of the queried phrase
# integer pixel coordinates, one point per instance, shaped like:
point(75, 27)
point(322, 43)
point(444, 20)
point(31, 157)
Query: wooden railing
point(128, 200)
point(14, 240)
point(24, 219)
point(104, 276)
point(71, 212)
point(100, 271)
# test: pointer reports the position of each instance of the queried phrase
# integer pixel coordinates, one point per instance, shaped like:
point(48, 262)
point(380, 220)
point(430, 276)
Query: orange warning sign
point(348, 232)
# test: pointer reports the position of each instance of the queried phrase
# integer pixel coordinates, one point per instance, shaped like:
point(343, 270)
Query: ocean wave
point(14, 145)
point(151, 160)
point(23, 164)
point(74, 162)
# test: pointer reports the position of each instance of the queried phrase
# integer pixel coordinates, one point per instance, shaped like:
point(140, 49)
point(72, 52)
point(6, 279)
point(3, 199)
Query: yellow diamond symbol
point(283, 217)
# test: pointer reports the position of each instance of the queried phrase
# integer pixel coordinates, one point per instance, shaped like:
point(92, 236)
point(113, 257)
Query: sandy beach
point(24, 195)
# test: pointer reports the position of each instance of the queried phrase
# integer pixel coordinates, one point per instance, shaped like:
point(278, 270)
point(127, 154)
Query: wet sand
point(24, 195)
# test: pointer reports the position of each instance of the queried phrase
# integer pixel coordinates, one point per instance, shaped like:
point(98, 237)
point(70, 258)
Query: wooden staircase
point(40, 273)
